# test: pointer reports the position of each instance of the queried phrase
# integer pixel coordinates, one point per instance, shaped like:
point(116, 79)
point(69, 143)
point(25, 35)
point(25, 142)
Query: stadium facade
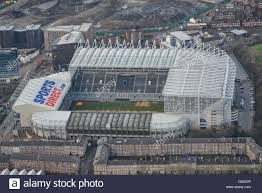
point(195, 83)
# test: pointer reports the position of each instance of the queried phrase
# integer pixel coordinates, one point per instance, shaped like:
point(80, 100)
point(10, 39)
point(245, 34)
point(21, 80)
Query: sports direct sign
point(49, 93)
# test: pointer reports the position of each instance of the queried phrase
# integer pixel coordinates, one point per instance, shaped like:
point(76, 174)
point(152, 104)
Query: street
point(242, 98)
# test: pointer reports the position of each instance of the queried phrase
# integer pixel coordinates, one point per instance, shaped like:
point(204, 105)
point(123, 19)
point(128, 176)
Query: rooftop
point(21, 172)
point(201, 70)
point(51, 119)
point(6, 27)
point(107, 152)
point(202, 74)
point(32, 27)
point(239, 32)
point(70, 38)
point(68, 28)
point(19, 143)
point(47, 5)
point(169, 159)
point(123, 58)
point(4, 158)
point(43, 157)
point(180, 35)
point(109, 121)
point(61, 81)
point(85, 27)
point(165, 121)
point(176, 140)
point(64, 28)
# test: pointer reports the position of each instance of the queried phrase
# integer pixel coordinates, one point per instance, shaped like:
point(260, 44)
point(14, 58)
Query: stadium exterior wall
point(178, 126)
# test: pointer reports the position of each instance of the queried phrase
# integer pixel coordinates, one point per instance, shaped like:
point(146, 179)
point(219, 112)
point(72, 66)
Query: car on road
point(242, 103)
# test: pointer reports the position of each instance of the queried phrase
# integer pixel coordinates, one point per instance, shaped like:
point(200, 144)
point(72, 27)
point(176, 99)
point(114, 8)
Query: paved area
point(242, 98)
point(87, 161)
point(246, 113)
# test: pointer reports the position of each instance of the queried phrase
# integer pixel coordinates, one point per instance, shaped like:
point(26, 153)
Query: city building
point(23, 172)
point(4, 161)
point(196, 26)
point(59, 164)
point(211, 1)
point(9, 65)
point(52, 147)
point(176, 156)
point(64, 48)
point(6, 36)
point(239, 32)
point(212, 40)
point(178, 38)
point(27, 37)
point(34, 36)
point(134, 36)
point(52, 33)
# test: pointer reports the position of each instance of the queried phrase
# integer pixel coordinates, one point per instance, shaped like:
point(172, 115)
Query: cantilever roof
point(202, 70)
point(55, 119)
point(25, 100)
point(201, 73)
point(124, 58)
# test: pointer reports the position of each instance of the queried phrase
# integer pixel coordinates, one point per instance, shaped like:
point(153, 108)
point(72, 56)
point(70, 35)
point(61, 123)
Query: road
point(7, 125)
point(87, 161)
point(242, 91)
point(9, 122)
point(246, 114)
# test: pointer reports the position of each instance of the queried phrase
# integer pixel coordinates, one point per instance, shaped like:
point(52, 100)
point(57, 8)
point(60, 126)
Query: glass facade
point(9, 64)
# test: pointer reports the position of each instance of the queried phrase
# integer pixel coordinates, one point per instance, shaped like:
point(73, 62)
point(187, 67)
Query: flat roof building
point(52, 147)
point(177, 156)
point(27, 37)
point(178, 38)
point(64, 48)
point(52, 33)
point(239, 32)
point(62, 164)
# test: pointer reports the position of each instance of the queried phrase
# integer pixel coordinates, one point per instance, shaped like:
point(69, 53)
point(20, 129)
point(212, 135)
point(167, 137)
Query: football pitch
point(118, 106)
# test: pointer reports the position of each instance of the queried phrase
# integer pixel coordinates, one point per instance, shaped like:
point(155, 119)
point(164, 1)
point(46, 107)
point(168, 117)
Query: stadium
point(127, 91)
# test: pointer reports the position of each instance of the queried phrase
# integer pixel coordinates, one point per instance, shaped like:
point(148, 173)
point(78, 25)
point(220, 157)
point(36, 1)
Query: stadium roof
point(93, 121)
point(124, 58)
point(199, 71)
point(51, 119)
point(28, 100)
point(165, 121)
point(89, 120)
